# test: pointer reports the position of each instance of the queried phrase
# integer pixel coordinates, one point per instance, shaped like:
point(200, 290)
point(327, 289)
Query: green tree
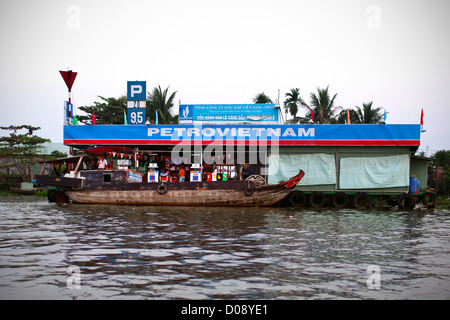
point(160, 101)
point(262, 98)
point(293, 102)
point(324, 106)
point(58, 154)
point(342, 116)
point(22, 147)
point(368, 114)
point(108, 111)
point(442, 159)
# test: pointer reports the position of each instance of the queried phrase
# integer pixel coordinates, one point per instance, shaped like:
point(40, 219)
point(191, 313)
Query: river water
point(53, 251)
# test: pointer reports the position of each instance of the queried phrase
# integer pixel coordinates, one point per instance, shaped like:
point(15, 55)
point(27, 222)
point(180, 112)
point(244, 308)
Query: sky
point(394, 53)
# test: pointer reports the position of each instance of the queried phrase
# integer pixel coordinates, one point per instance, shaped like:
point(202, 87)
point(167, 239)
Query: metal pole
point(70, 108)
point(280, 112)
point(136, 158)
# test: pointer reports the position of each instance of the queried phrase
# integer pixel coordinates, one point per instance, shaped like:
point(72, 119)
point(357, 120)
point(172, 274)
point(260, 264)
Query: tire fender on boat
point(297, 198)
point(162, 188)
point(361, 200)
point(317, 199)
point(51, 194)
point(406, 201)
point(429, 198)
point(249, 188)
point(340, 200)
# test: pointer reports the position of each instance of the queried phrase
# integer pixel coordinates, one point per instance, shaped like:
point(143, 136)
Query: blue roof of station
point(283, 135)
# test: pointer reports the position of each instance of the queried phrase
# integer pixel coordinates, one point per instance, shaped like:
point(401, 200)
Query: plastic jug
point(413, 185)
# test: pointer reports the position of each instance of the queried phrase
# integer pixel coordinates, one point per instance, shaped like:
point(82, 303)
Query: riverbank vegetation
point(443, 202)
point(112, 110)
point(5, 193)
point(441, 161)
point(321, 109)
point(21, 147)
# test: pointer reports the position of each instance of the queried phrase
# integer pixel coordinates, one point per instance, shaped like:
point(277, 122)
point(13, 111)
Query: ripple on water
point(128, 252)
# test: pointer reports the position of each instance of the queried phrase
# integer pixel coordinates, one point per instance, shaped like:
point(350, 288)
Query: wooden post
point(78, 164)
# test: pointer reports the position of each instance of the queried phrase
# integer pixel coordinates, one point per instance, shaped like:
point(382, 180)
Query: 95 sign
point(136, 115)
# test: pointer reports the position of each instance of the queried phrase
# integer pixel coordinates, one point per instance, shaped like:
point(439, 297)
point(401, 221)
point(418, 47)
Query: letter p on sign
point(136, 90)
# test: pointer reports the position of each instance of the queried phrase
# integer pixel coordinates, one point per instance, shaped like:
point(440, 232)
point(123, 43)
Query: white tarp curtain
point(320, 168)
point(374, 171)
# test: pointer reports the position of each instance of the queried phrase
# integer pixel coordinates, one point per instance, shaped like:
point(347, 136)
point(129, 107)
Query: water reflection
point(127, 252)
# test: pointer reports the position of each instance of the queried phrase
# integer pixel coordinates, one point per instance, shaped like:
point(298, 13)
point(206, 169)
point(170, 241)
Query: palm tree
point(160, 102)
point(323, 106)
point(293, 101)
point(262, 98)
point(342, 116)
point(367, 114)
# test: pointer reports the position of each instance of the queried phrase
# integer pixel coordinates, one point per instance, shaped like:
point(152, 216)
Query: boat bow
point(292, 182)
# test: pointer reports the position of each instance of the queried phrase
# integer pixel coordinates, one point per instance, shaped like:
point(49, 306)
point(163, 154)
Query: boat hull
point(115, 190)
point(190, 197)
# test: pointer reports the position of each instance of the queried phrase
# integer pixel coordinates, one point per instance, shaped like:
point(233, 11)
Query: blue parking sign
point(136, 90)
point(136, 116)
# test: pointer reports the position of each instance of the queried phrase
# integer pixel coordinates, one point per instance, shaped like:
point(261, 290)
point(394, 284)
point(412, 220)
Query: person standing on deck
point(102, 163)
point(181, 174)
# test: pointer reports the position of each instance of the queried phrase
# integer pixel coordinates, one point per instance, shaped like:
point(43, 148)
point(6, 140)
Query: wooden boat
point(115, 187)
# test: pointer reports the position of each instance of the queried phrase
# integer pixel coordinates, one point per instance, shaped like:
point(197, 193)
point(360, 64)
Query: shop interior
point(162, 166)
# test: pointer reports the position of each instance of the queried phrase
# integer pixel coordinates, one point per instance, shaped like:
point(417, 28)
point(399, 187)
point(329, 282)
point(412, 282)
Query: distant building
point(49, 147)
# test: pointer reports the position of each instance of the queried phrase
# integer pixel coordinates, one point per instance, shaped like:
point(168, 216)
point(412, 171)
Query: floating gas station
point(357, 165)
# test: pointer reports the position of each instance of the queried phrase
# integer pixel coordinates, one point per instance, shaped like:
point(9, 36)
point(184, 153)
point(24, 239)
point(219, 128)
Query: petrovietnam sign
point(294, 135)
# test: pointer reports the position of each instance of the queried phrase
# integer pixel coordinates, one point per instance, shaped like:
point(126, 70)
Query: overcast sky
point(394, 53)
